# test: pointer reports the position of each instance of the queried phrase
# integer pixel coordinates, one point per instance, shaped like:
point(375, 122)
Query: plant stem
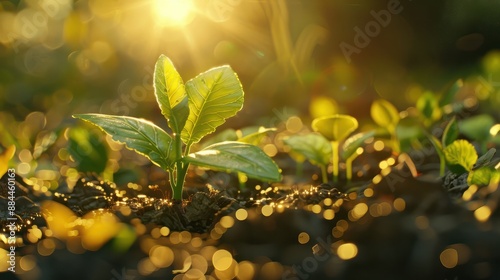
point(324, 177)
point(181, 176)
point(395, 142)
point(299, 171)
point(171, 179)
point(348, 168)
point(180, 169)
point(442, 165)
point(335, 160)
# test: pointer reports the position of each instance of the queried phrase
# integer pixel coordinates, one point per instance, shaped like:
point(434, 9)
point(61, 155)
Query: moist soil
point(394, 224)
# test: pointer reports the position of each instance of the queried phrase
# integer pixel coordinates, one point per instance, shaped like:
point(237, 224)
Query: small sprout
point(192, 110)
point(460, 156)
point(428, 106)
point(335, 128)
point(313, 147)
point(351, 150)
point(450, 134)
point(386, 116)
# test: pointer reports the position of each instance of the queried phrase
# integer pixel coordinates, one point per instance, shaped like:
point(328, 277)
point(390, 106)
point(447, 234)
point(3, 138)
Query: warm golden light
point(449, 258)
point(173, 12)
point(303, 238)
point(482, 213)
point(347, 251)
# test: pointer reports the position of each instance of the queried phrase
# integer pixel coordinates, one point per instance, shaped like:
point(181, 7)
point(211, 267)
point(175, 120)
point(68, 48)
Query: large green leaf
point(234, 156)
point(214, 96)
point(384, 114)
point(139, 135)
point(313, 147)
point(335, 128)
point(171, 94)
point(460, 156)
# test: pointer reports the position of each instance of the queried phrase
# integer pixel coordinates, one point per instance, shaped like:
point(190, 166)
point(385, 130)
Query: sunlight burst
point(173, 12)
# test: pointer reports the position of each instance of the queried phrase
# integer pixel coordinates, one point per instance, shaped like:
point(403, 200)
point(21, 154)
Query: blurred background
point(294, 57)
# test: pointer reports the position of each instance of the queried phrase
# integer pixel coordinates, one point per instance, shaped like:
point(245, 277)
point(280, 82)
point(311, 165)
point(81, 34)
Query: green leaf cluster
point(192, 110)
point(322, 147)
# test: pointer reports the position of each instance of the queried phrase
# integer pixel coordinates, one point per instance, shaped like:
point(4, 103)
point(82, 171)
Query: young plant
point(335, 129)
point(450, 134)
point(386, 116)
point(352, 149)
point(461, 157)
point(192, 110)
point(313, 147)
point(429, 109)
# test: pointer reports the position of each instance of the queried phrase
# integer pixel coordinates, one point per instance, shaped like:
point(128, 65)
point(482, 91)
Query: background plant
point(333, 130)
point(387, 117)
point(192, 110)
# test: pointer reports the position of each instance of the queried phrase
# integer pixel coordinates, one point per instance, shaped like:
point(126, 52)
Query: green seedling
point(352, 149)
point(387, 117)
point(335, 129)
point(461, 157)
point(432, 107)
point(450, 134)
point(192, 110)
point(313, 147)
point(429, 109)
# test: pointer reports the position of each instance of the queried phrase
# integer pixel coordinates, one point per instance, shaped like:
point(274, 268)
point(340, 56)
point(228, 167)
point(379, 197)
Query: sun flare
point(173, 12)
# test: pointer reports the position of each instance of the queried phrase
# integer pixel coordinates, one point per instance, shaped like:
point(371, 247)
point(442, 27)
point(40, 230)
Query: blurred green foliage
point(64, 57)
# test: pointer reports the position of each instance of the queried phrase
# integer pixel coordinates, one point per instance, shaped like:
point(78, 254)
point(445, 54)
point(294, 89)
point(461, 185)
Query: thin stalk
point(442, 165)
point(299, 171)
point(324, 177)
point(395, 142)
point(348, 168)
point(335, 160)
point(180, 168)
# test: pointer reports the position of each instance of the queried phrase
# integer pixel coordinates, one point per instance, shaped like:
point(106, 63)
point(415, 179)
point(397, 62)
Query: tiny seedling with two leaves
point(322, 147)
point(193, 110)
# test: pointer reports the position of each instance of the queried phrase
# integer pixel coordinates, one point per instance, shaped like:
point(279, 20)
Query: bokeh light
point(347, 251)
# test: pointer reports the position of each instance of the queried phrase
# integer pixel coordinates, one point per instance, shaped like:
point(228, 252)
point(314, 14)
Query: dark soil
point(403, 227)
